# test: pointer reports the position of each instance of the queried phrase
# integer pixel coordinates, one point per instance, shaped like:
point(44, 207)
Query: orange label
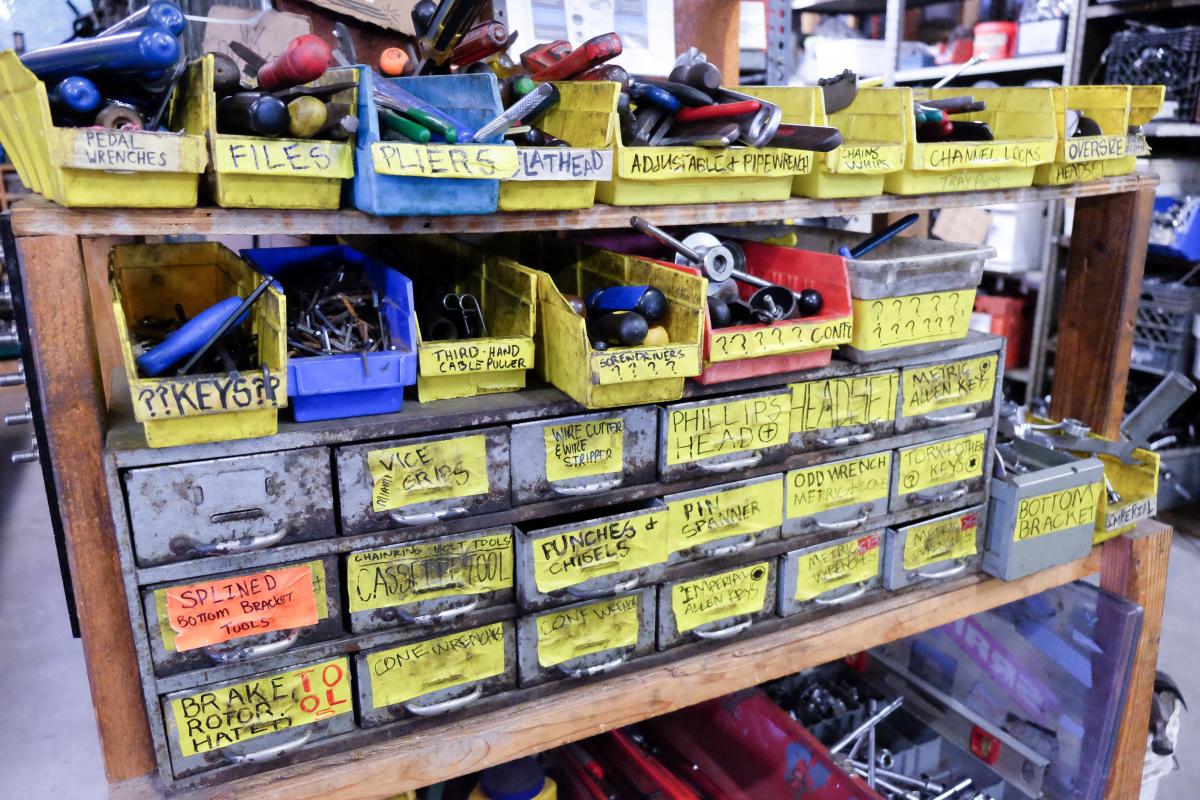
point(216, 611)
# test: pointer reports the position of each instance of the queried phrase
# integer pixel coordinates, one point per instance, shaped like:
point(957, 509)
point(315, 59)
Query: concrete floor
point(48, 744)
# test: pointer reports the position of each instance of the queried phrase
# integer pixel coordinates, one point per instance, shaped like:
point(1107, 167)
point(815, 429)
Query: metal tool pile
point(445, 314)
point(343, 315)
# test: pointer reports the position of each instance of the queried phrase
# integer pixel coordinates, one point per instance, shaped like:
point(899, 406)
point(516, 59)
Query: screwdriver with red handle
point(305, 59)
point(589, 54)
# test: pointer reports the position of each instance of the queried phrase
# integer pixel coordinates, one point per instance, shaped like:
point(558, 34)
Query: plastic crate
point(1082, 158)
point(1169, 57)
point(348, 384)
point(1010, 319)
point(1162, 333)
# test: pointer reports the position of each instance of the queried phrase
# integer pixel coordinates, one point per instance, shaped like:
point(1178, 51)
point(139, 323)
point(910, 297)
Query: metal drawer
point(411, 482)
point(277, 607)
point(585, 639)
point(265, 718)
point(838, 496)
point(838, 412)
point(583, 455)
point(592, 558)
point(715, 607)
point(433, 677)
point(229, 505)
point(723, 436)
point(940, 471)
point(723, 520)
point(831, 574)
point(946, 392)
point(949, 546)
point(430, 584)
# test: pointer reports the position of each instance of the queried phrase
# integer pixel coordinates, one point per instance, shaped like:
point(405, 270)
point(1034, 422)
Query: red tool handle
point(306, 59)
point(485, 39)
point(719, 111)
point(587, 55)
point(541, 56)
point(672, 788)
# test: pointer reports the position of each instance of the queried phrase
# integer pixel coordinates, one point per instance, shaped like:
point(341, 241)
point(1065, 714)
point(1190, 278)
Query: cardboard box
point(391, 14)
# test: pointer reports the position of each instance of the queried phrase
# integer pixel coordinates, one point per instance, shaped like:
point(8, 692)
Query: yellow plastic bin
point(92, 166)
point(499, 361)
point(260, 172)
point(1081, 158)
point(1022, 120)
point(873, 133)
point(147, 281)
point(1144, 105)
point(556, 178)
point(655, 176)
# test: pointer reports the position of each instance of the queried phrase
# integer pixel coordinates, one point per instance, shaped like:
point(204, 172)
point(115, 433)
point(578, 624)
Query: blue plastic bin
point(1176, 229)
point(332, 387)
point(473, 99)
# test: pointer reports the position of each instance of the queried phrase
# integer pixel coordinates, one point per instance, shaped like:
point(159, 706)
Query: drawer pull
point(844, 525)
point(598, 669)
point(269, 753)
point(439, 616)
point(845, 598)
point(589, 488)
point(433, 709)
point(233, 547)
point(251, 652)
point(745, 544)
point(422, 519)
point(724, 633)
point(960, 416)
point(945, 573)
point(237, 516)
point(616, 588)
point(920, 498)
point(729, 466)
point(842, 441)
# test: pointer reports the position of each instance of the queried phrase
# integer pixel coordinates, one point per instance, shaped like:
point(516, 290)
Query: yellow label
point(411, 573)
point(169, 398)
point(843, 402)
point(911, 319)
point(422, 473)
point(310, 158)
point(412, 670)
point(792, 336)
point(744, 511)
point(565, 559)
point(961, 155)
point(583, 630)
point(715, 597)
point(842, 483)
point(831, 568)
point(625, 364)
point(721, 428)
point(125, 151)
point(1136, 145)
point(562, 164)
point(478, 161)
point(1056, 511)
point(475, 355)
point(216, 718)
point(583, 449)
point(867, 159)
point(941, 540)
point(666, 163)
point(938, 463)
point(1060, 172)
point(957, 383)
point(1094, 148)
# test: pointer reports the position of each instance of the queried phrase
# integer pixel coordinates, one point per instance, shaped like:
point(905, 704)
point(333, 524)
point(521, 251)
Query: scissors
point(465, 307)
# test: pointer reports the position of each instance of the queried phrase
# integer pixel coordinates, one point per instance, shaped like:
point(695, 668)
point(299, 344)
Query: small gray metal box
point(948, 546)
point(722, 520)
point(940, 471)
point(717, 606)
point(949, 391)
point(828, 575)
point(844, 410)
point(840, 495)
point(724, 435)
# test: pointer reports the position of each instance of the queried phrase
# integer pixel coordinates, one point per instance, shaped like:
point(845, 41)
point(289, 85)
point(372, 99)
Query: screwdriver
point(527, 109)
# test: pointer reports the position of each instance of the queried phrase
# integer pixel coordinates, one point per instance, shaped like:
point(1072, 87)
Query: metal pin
point(866, 724)
point(871, 707)
point(955, 789)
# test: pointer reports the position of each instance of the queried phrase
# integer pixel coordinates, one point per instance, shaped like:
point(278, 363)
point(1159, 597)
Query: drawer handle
point(938, 498)
point(237, 516)
point(844, 525)
point(598, 669)
point(960, 416)
point(745, 544)
point(616, 588)
point(845, 598)
point(439, 616)
point(269, 753)
point(433, 709)
point(431, 516)
point(946, 573)
point(842, 441)
point(729, 466)
point(251, 652)
point(724, 633)
point(232, 548)
point(599, 486)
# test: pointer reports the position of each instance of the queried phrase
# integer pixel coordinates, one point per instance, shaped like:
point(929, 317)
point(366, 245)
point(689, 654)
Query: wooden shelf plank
point(424, 757)
point(39, 217)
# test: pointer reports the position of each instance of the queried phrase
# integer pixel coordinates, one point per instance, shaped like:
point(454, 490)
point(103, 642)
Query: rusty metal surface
point(669, 635)
point(728, 464)
point(952, 491)
point(895, 576)
point(741, 542)
point(839, 599)
point(957, 413)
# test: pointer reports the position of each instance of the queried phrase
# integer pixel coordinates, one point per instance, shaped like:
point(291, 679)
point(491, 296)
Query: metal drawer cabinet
point(829, 575)
point(844, 411)
point(840, 495)
point(242, 616)
point(424, 585)
point(591, 558)
point(948, 391)
point(723, 436)
point(723, 520)
point(940, 471)
point(433, 677)
point(583, 455)
point(944, 547)
point(270, 717)
point(585, 639)
point(229, 505)
point(412, 482)
point(715, 607)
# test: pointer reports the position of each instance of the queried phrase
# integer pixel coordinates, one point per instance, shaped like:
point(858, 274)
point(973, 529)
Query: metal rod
point(662, 237)
point(872, 707)
point(926, 786)
point(955, 789)
point(869, 722)
point(963, 67)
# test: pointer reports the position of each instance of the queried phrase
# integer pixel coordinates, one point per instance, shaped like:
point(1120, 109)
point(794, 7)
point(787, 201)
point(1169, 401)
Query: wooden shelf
point(38, 217)
point(1021, 64)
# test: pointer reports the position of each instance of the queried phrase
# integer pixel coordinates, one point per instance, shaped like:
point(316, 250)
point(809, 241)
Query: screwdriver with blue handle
point(869, 244)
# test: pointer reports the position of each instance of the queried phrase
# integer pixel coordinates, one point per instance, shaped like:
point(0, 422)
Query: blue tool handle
point(188, 338)
point(644, 93)
point(398, 95)
point(867, 245)
point(616, 298)
point(76, 94)
point(140, 50)
point(162, 13)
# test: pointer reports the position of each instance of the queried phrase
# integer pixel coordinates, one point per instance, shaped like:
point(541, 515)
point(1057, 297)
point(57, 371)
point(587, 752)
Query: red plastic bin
point(1011, 319)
